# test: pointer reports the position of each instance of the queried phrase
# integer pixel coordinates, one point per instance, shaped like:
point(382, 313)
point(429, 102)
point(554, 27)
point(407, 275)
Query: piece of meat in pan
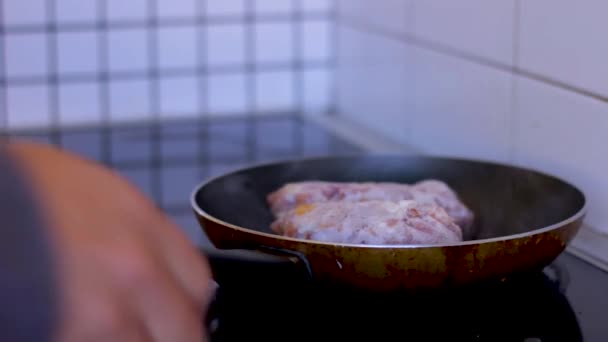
point(369, 222)
point(438, 192)
point(293, 194)
point(428, 191)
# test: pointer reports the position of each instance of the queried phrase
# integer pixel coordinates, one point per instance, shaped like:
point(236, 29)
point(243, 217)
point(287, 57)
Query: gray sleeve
point(27, 284)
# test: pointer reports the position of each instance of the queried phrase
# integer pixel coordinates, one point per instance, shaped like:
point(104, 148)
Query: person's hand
point(125, 272)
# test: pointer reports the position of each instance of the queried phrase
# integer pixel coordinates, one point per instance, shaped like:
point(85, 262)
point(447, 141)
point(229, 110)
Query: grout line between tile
point(298, 87)
point(513, 120)
point(152, 31)
point(3, 86)
point(202, 45)
point(414, 77)
point(516, 32)
point(53, 72)
point(163, 73)
point(412, 16)
point(104, 82)
point(334, 59)
point(162, 22)
point(250, 22)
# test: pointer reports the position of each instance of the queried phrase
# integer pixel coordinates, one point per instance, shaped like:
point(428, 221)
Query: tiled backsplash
point(66, 62)
point(524, 82)
point(518, 81)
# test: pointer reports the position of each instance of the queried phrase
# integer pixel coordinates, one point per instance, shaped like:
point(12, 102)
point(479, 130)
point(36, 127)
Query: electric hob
point(568, 302)
point(531, 307)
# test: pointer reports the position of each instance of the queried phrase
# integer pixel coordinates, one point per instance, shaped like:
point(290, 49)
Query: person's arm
point(27, 285)
point(123, 270)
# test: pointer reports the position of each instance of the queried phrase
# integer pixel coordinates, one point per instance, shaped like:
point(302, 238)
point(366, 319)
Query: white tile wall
point(389, 15)
point(226, 45)
point(78, 52)
point(76, 11)
point(316, 40)
point(564, 133)
point(225, 8)
point(179, 96)
point(126, 10)
point(461, 109)
point(178, 47)
point(26, 55)
point(223, 90)
point(24, 12)
point(374, 83)
point(177, 8)
point(31, 102)
point(566, 41)
point(129, 100)
point(273, 6)
point(317, 5)
point(128, 50)
point(433, 102)
point(274, 91)
point(274, 42)
point(317, 90)
point(480, 27)
point(227, 94)
point(80, 103)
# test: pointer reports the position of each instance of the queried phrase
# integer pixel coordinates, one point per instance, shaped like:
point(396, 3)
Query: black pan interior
point(506, 200)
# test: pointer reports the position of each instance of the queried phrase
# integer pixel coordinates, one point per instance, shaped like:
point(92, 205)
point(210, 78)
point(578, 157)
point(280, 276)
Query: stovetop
point(567, 303)
point(525, 308)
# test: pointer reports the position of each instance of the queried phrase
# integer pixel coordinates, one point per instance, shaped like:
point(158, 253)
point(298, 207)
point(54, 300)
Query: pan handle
point(240, 273)
point(235, 267)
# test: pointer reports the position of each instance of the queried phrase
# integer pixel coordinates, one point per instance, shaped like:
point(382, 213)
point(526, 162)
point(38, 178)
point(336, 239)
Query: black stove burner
point(525, 308)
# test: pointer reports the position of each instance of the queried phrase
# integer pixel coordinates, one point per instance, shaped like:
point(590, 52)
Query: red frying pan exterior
point(394, 269)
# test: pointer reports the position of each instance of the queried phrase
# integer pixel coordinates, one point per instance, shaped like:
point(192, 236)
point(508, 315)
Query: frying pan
point(523, 220)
